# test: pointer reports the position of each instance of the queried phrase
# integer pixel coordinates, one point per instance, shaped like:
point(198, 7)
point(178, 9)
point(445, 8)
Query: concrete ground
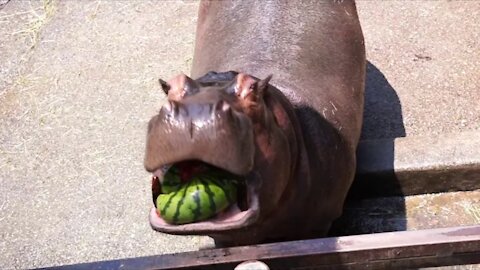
point(78, 84)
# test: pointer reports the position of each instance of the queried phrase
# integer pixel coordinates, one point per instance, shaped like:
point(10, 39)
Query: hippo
point(275, 97)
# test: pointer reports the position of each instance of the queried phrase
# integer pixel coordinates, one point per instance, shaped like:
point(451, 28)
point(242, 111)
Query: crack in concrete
point(3, 4)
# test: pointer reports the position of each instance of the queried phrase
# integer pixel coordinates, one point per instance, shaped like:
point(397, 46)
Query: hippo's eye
point(190, 90)
point(230, 88)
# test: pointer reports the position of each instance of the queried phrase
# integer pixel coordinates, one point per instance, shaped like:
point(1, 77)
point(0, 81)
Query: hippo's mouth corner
point(240, 214)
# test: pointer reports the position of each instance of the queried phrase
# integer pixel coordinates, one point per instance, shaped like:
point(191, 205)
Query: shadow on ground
point(383, 120)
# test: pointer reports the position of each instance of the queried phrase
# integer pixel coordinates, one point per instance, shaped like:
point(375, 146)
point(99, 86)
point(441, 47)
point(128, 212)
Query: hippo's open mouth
point(208, 122)
point(238, 213)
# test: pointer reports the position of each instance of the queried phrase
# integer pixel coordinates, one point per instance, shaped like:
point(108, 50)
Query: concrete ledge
point(409, 213)
point(418, 165)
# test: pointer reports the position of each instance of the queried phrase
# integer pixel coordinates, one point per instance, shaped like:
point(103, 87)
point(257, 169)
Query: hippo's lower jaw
point(232, 219)
point(239, 215)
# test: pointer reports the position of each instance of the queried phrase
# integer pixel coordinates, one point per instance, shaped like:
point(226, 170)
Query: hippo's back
point(314, 49)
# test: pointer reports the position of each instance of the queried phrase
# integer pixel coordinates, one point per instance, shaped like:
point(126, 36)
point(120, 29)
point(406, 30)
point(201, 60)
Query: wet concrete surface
point(78, 83)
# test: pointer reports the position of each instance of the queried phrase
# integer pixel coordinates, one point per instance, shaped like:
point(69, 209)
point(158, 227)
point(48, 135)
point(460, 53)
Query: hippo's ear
point(247, 85)
point(189, 85)
point(165, 86)
point(263, 84)
point(179, 87)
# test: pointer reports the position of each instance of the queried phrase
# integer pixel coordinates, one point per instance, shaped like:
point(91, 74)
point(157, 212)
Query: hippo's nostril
point(170, 108)
point(167, 107)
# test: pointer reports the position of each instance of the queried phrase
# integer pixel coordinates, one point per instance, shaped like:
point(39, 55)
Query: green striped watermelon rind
point(201, 198)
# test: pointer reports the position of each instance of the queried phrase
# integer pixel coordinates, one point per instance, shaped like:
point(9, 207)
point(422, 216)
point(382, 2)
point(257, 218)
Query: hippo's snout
point(222, 126)
point(198, 114)
point(200, 125)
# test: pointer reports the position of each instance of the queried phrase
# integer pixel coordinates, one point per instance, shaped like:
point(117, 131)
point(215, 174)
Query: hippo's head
point(232, 122)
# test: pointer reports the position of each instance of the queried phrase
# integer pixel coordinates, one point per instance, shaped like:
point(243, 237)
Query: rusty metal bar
point(393, 250)
point(418, 165)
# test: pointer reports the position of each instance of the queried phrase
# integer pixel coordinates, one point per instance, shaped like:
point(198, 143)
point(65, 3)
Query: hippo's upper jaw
point(222, 120)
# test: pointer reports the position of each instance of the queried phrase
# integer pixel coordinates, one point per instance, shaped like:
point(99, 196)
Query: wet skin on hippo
point(290, 137)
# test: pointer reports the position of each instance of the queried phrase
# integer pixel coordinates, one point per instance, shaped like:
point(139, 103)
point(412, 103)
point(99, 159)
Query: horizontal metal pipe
point(393, 250)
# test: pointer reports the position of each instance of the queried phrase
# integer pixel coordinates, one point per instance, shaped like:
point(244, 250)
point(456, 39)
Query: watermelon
point(198, 198)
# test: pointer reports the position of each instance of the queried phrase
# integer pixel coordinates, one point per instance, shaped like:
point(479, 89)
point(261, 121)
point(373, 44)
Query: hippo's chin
point(231, 219)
